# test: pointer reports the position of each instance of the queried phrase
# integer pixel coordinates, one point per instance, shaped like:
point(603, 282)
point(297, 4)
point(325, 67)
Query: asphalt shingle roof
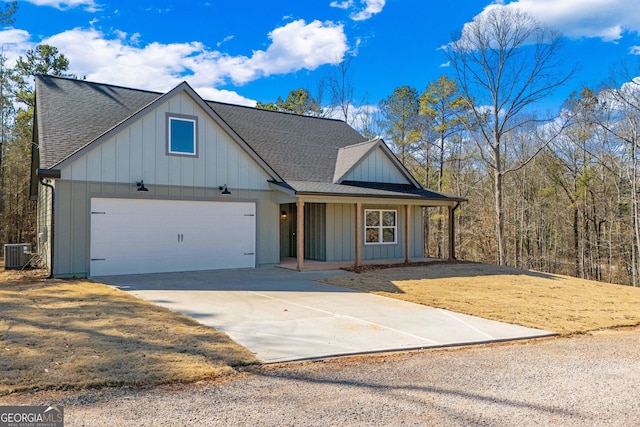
point(296, 147)
point(71, 113)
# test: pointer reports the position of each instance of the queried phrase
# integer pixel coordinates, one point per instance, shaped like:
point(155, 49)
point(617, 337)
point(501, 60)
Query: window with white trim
point(182, 135)
point(380, 226)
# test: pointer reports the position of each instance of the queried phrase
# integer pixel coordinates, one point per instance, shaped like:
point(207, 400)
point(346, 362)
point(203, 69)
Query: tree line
point(17, 211)
point(551, 192)
point(17, 101)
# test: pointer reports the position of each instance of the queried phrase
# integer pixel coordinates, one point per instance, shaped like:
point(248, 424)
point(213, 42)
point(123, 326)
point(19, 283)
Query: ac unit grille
point(17, 255)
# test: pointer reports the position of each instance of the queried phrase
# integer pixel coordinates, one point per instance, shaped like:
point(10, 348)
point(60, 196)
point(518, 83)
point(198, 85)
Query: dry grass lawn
point(68, 334)
point(561, 304)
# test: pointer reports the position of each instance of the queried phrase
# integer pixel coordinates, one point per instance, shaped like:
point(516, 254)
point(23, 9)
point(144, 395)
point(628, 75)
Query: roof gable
point(107, 133)
point(371, 161)
point(349, 156)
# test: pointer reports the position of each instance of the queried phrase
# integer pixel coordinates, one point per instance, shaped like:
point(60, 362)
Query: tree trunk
point(636, 225)
point(498, 179)
point(576, 239)
point(441, 210)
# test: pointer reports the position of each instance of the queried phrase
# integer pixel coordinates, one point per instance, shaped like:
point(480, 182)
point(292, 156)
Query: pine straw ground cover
point(560, 304)
point(72, 334)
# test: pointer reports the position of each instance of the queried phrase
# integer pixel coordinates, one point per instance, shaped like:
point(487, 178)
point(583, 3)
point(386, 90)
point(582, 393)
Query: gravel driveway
point(580, 381)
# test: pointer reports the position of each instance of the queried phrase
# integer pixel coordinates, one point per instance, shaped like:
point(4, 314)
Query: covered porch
point(405, 234)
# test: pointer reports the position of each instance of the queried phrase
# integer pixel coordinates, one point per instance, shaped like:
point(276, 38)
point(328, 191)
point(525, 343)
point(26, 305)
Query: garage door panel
point(115, 236)
point(112, 242)
point(111, 252)
point(130, 236)
point(127, 265)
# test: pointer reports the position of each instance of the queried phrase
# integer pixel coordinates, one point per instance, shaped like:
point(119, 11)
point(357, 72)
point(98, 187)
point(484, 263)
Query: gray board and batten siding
point(341, 223)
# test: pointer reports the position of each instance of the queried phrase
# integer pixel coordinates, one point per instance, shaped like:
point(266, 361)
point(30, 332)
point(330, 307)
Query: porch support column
point(300, 235)
point(452, 239)
point(407, 234)
point(358, 260)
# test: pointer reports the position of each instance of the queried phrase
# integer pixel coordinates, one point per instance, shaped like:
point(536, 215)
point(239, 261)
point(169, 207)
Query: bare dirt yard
point(560, 304)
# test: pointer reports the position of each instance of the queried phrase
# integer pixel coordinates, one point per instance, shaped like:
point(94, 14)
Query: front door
point(288, 221)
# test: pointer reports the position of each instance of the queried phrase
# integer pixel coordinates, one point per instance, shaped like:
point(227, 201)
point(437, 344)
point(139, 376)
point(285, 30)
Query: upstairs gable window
point(182, 134)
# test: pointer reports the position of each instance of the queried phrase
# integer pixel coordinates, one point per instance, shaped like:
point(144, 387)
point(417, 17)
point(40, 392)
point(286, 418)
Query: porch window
point(380, 227)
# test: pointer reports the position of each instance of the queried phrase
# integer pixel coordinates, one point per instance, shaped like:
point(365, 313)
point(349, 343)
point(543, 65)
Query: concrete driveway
point(284, 315)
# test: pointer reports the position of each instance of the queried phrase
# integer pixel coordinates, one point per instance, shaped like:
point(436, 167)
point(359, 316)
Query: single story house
point(131, 181)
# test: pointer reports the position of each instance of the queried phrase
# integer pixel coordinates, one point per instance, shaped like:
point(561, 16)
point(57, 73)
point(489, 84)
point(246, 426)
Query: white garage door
point(131, 236)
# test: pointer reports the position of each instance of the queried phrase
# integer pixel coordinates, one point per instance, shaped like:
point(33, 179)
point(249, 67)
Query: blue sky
point(245, 51)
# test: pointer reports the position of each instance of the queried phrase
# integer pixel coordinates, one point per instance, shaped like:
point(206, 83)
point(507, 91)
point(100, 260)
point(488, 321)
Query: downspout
point(53, 223)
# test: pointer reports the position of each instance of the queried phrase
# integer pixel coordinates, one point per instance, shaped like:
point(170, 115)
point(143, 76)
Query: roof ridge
point(274, 111)
point(89, 82)
point(361, 143)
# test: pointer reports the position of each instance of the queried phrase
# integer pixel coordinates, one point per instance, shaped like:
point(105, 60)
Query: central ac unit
point(17, 255)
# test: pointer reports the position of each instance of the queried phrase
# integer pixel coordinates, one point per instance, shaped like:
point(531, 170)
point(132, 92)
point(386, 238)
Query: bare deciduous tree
point(341, 91)
point(623, 99)
point(504, 62)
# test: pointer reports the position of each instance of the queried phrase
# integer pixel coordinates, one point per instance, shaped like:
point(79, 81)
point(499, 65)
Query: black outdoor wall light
point(141, 186)
point(224, 189)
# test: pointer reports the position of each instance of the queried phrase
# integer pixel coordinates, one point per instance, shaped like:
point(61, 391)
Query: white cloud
point(363, 117)
point(295, 46)
point(346, 4)
point(224, 40)
point(620, 99)
point(363, 11)
point(228, 96)
point(446, 64)
point(14, 36)
point(604, 19)
point(119, 59)
point(135, 38)
point(634, 50)
point(632, 87)
point(371, 8)
point(14, 43)
point(154, 66)
point(88, 5)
